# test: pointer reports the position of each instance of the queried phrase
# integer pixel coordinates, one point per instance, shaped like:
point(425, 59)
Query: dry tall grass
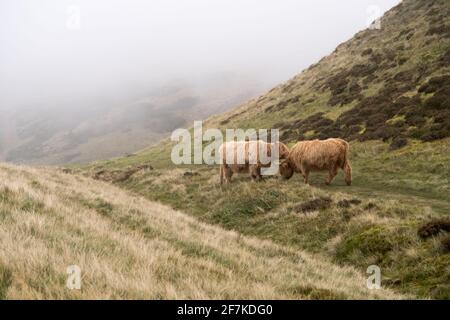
point(128, 247)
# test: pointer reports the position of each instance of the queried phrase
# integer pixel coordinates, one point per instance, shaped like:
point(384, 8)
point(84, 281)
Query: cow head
point(283, 151)
point(286, 170)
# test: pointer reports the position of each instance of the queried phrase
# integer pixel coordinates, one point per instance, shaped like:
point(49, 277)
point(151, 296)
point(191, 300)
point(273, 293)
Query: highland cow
point(245, 157)
point(318, 155)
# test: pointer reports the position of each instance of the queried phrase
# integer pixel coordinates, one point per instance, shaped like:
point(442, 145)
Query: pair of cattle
point(305, 156)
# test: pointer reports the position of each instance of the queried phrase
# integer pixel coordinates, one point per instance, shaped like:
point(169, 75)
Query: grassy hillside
point(387, 91)
point(128, 247)
point(390, 84)
point(375, 221)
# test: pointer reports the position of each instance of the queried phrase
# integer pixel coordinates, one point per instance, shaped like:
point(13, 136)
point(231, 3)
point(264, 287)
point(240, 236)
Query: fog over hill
point(86, 129)
point(84, 80)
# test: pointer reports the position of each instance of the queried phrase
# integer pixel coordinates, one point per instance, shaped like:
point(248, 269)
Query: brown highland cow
point(318, 155)
point(244, 157)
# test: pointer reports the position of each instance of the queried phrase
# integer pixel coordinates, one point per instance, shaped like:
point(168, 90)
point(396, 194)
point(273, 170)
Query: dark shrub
point(315, 117)
point(442, 30)
point(337, 83)
point(398, 143)
point(376, 58)
point(321, 136)
point(434, 135)
point(288, 135)
point(403, 32)
point(432, 228)
point(434, 84)
point(352, 130)
point(294, 99)
point(442, 117)
point(376, 119)
point(340, 87)
point(433, 12)
point(313, 205)
point(404, 76)
point(409, 101)
point(354, 88)
point(389, 54)
point(363, 70)
point(413, 119)
point(370, 206)
point(401, 61)
point(351, 119)
point(444, 60)
point(189, 174)
point(446, 243)
point(343, 99)
point(348, 203)
point(369, 79)
point(367, 52)
point(310, 100)
point(368, 135)
point(323, 122)
point(282, 125)
point(440, 100)
point(289, 87)
point(386, 132)
point(400, 47)
point(418, 133)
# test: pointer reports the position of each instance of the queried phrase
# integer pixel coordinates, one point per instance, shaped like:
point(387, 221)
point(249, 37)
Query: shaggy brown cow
point(318, 155)
point(244, 157)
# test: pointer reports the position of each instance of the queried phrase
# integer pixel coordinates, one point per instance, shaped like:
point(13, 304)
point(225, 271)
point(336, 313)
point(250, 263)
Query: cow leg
point(348, 173)
point(305, 173)
point(228, 173)
point(255, 172)
point(258, 174)
point(306, 176)
point(331, 175)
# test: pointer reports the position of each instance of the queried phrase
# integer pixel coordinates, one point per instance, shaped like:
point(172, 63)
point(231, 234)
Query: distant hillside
point(391, 84)
point(128, 247)
point(81, 131)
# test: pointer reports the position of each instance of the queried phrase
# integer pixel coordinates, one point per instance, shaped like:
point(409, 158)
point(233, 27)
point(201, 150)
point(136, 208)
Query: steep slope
point(386, 91)
point(391, 83)
point(128, 247)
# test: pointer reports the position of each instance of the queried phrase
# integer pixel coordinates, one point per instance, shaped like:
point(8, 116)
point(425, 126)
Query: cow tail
point(221, 174)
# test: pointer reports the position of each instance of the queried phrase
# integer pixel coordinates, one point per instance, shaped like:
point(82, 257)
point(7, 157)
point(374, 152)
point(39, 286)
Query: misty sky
point(56, 48)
